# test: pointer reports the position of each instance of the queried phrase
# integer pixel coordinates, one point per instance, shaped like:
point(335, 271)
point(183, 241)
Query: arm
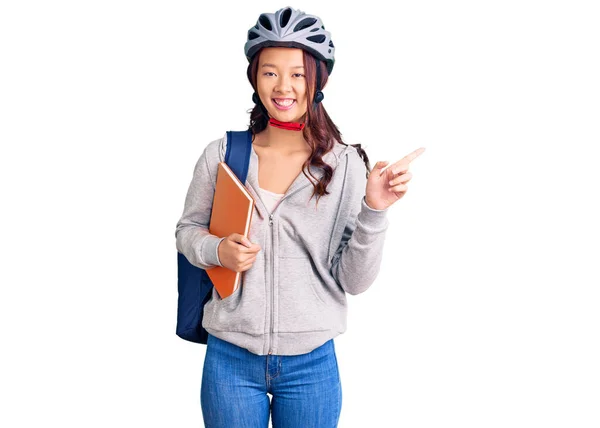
point(358, 257)
point(192, 237)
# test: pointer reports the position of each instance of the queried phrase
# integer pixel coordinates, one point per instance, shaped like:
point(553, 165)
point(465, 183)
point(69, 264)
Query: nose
point(283, 84)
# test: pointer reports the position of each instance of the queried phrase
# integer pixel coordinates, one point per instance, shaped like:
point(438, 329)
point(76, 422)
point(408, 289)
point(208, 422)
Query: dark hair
point(320, 132)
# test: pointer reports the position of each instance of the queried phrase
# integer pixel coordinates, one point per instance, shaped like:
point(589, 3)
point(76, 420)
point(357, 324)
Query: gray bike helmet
point(291, 28)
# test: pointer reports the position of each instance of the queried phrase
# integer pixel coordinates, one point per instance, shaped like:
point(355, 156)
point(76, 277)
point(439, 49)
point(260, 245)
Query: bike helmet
point(291, 28)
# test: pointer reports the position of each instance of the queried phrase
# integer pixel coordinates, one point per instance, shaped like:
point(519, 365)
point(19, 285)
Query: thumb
point(380, 165)
point(241, 239)
point(245, 241)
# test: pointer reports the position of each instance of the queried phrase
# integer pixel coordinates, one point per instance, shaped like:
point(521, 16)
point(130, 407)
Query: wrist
point(374, 206)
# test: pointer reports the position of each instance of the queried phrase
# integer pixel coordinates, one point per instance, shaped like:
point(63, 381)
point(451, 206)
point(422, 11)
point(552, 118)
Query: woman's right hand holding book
point(237, 253)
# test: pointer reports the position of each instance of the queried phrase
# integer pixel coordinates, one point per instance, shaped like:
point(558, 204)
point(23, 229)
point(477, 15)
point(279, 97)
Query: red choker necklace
point(291, 126)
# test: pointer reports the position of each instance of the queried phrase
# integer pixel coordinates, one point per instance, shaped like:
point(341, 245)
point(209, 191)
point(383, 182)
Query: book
point(231, 213)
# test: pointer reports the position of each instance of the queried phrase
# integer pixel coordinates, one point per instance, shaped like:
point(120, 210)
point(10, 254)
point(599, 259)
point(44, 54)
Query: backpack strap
point(194, 285)
point(237, 154)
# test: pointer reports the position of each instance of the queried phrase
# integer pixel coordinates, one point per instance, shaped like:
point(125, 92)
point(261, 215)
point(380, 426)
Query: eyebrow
point(274, 66)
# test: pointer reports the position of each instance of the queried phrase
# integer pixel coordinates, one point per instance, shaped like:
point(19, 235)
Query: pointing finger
point(412, 156)
point(405, 161)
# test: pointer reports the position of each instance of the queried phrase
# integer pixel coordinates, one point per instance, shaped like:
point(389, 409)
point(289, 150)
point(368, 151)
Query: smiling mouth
point(284, 104)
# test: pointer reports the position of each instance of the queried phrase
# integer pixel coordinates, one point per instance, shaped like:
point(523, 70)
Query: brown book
point(231, 213)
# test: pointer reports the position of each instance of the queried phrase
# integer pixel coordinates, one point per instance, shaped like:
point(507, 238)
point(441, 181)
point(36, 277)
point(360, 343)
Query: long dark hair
point(320, 132)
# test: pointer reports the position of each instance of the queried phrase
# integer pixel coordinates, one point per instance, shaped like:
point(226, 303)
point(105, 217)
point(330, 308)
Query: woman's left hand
point(386, 187)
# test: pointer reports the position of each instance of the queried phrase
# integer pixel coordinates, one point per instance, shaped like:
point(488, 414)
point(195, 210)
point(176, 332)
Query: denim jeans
point(306, 389)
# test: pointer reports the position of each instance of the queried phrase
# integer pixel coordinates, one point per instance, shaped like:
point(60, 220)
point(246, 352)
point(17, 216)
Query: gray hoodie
point(293, 298)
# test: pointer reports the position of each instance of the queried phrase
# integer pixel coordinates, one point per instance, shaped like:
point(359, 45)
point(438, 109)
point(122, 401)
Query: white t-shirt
point(270, 199)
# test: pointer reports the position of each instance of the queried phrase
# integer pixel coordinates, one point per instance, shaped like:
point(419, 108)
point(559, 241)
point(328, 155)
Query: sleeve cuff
point(210, 250)
point(375, 219)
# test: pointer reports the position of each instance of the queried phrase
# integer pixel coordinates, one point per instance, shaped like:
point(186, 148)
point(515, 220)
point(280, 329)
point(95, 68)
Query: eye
point(267, 73)
point(299, 74)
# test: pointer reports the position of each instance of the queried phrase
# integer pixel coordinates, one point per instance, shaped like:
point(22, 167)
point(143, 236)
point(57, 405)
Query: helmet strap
point(290, 126)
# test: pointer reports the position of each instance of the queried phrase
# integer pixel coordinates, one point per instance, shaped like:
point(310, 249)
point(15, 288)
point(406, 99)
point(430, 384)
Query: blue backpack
point(193, 284)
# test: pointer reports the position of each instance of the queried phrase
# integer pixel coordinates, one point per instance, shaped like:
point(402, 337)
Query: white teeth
point(284, 103)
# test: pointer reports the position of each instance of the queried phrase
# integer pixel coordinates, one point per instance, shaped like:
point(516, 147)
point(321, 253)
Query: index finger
point(405, 160)
point(413, 155)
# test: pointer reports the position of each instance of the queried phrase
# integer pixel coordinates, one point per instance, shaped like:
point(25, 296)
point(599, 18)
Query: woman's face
point(282, 84)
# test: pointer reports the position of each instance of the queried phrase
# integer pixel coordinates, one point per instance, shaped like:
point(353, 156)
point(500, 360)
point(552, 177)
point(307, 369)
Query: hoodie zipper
point(272, 281)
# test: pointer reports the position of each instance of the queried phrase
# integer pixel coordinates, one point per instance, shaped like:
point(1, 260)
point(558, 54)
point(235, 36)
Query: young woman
point(317, 233)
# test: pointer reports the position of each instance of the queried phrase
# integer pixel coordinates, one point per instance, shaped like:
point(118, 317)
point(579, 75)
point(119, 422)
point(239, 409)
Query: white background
point(486, 309)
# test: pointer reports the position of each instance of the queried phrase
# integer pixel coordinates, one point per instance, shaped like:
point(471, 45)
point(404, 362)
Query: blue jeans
point(306, 389)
